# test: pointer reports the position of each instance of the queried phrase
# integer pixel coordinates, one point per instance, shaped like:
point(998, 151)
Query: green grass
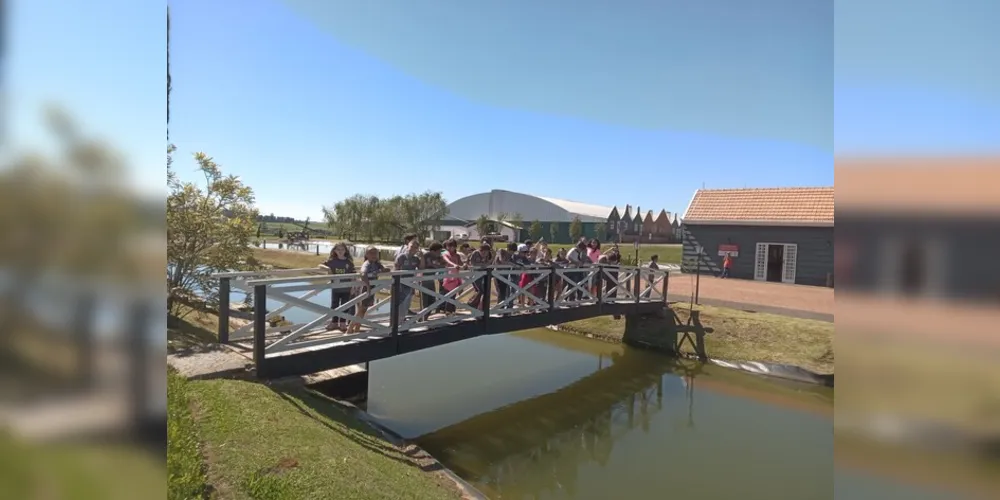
point(192, 328)
point(285, 259)
point(231, 439)
point(265, 443)
point(744, 336)
point(185, 469)
point(316, 230)
point(929, 380)
point(95, 470)
point(668, 253)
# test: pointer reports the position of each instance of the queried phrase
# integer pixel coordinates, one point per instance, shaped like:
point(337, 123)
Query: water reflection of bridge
point(560, 430)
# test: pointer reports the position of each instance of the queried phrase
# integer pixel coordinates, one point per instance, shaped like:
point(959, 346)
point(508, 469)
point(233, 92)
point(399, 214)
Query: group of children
point(456, 257)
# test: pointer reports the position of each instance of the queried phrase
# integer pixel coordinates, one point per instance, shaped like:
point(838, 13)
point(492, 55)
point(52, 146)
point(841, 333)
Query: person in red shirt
point(727, 263)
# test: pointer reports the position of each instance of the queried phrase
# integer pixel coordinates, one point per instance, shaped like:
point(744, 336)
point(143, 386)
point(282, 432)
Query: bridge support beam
point(657, 331)
point(352, 387)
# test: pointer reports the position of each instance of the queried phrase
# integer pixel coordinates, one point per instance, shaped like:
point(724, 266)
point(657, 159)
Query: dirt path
point(791, 300)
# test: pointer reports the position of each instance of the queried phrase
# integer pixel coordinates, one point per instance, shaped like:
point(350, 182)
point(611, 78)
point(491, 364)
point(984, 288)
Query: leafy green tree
point(483, 225)
point(601, 230)
point(386, 218)
point(536, 230)
point(575, 229)
point(554, 232)
point(209, 230)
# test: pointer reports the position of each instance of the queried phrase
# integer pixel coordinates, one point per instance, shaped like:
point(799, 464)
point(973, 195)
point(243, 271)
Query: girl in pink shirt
point(594, 254)
point(594, 250)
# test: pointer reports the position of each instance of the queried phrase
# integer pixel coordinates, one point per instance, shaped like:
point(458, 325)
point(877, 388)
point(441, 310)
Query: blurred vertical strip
point(3, 65)
point(169, 88)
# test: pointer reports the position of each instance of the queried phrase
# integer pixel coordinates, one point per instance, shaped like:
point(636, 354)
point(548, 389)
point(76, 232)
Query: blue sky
point(313, 101)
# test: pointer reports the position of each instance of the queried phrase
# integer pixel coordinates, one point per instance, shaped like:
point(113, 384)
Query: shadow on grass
point(187, 335)
point(314, 405)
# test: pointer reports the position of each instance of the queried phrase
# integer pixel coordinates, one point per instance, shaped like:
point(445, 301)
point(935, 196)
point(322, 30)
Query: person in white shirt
point(651, 278)
point(403, 250)
point(577, 257)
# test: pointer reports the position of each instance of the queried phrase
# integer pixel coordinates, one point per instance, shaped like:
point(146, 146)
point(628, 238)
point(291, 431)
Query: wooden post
point(552, 294)
point(697, 279)
point(139, 356)
point(259, 327)
point(485, 302)
point(666, 286)
point(600, 287)
point(83, 325)
point(224, 310)
point(265, 244)
point(637, 284)
point(394, 305)
point(317, 249)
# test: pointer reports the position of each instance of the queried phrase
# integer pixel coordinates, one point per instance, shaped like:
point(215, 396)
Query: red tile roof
point(784, 206)
point(943, 185)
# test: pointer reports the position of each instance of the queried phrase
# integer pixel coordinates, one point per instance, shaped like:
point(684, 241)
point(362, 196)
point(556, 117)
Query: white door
point(760, 264)
point(788, 272)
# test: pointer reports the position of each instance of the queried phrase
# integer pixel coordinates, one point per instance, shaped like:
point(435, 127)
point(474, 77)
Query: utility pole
point(697, 277)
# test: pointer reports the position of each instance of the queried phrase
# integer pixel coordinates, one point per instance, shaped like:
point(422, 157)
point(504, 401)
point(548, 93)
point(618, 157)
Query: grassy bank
point(744, 336)
point(286, 259)
point(185, 469)
point(234, 439)
point(935, 381)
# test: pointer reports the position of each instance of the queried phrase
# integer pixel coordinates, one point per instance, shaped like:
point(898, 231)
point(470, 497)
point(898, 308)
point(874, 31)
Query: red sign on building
point(732, 250)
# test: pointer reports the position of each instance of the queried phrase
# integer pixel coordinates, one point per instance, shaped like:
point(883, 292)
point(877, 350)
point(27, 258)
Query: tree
point(601, 230)
point(536, 230)
point(518, 221)
point(67, 212)
point(419, 214)
point(386, 218)
point(554, 232)
point(209, 229)
point(483, 225)
point(575, 229)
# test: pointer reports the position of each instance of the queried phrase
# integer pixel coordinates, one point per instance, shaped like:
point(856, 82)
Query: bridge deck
point(305, 344)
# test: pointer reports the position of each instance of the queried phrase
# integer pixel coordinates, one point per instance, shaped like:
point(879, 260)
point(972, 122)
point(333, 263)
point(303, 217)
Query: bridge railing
point(238, 280)
point(414, 301)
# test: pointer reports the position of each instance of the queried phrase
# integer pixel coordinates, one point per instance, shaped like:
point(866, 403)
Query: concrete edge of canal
point(345, 386)
point(648, 332)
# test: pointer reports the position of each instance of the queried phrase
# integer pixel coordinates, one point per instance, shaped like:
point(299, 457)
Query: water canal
point(542, 414)
point(547, 415)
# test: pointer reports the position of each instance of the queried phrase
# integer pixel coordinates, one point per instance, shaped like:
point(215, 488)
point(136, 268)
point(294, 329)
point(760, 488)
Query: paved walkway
point(801, 301)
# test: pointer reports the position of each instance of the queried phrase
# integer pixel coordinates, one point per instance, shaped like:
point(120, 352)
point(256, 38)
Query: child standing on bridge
point(409, 261)
point(653, 266)
point(480, 258)
point(370, 270)
point(523, 258)
point(339, 263)
point(503, 263)
point(453, 261)
point(432, 261)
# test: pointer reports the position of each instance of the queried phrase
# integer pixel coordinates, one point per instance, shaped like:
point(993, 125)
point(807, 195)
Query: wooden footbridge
point(396, 324)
